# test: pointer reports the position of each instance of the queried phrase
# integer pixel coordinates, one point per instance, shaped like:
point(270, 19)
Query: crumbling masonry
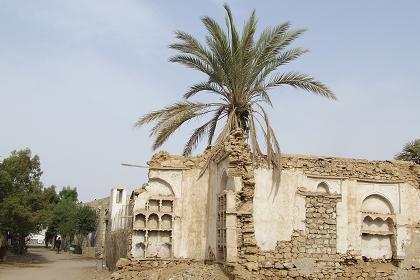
point(329, 218)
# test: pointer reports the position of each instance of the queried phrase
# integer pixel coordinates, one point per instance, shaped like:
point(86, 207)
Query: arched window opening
point(153, 222)
point(323, 188)
point(376, 203)
point(139, 250)
point(377, 229)
point(140, 221)
point(166, 222)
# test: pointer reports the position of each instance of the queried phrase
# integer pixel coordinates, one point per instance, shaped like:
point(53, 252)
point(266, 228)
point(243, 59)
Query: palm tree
point(410, 152)
point(240, 73)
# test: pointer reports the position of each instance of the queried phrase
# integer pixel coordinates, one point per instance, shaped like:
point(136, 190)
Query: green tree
point(410, 152)
point(19, 172)
point(64, 220)
point(68, 193)
point(51, 196)
point(70, 218)
point(23, 213)
point(85, 220)
point(240, 72)
point(23, 208)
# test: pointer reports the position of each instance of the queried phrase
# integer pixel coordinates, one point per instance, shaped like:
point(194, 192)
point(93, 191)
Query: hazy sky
point(75, 76)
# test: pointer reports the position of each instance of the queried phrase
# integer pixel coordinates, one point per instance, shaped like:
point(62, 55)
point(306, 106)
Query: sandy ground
point(44, 264)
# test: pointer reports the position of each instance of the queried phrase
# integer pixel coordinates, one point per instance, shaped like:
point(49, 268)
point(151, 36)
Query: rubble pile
point(166, 269)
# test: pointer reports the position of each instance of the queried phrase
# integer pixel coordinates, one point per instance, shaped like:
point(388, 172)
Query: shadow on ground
point(31, 258)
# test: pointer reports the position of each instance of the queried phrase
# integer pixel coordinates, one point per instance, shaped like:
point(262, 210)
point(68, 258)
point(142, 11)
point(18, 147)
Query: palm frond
point(205, 86)
point(254, 139)
point(190, 45)
point(302, 81)
point(231, 26)
point(163, 133)
point(195, 138)
point(276, 62)
point(193, 62)
point(217, 116)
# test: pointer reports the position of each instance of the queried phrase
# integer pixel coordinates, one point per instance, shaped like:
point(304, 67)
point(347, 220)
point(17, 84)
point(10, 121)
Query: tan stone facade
point(328, 218)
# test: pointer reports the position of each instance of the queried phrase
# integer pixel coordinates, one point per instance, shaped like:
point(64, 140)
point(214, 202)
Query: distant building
point(37, 238)
point(93, 244)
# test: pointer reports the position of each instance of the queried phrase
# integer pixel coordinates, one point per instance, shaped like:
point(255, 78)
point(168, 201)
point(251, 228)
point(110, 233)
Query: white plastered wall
point(409, 214)
point(190, 208)
point(277, 215)
point(277, 209)
point(354, 193)
point(217, 182)
point(118, 209)
point(191, 234)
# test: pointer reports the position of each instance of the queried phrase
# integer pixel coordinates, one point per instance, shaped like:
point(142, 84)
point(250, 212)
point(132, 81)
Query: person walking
point(58, 244)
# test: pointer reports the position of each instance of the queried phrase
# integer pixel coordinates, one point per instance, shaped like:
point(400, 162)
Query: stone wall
point(116, 247)
point(358, 169)
point(101, 206)
point(327, 167)
point(304, 253)
point(312, 253)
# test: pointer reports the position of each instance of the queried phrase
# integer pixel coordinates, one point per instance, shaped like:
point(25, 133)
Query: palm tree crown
point(241, 71)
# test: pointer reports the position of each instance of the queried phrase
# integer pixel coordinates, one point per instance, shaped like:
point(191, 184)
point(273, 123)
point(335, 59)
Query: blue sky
point(75, 76)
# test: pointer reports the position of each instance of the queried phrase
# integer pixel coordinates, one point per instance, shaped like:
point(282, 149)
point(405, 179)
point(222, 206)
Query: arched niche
point(165, 236)
point(153, 221)
point(323, 188)
point(139, 235)
point(139, 250)
point(167, 206)
point(166, 221)
point(377, 228)
point(165, 251)
point(153, 205)
point(140, 221)
point(376, 203)
point(377, 225)
point(153, 245)
point(157, 186)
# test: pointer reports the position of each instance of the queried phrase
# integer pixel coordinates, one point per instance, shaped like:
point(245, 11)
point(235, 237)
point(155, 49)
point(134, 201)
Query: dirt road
point(44, 264)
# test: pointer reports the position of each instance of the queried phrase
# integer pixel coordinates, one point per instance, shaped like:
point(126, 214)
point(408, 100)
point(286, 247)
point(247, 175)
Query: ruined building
point(329, 218)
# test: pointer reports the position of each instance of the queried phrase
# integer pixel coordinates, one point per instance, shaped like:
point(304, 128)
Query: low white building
point(37, 238)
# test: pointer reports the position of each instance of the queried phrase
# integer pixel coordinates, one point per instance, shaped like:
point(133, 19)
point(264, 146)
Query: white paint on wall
point(277, 216)
point(118, 209)
point(376, 203)
point(218, 181)
point(276, 207)
point(376, 246)
point(277, 212)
